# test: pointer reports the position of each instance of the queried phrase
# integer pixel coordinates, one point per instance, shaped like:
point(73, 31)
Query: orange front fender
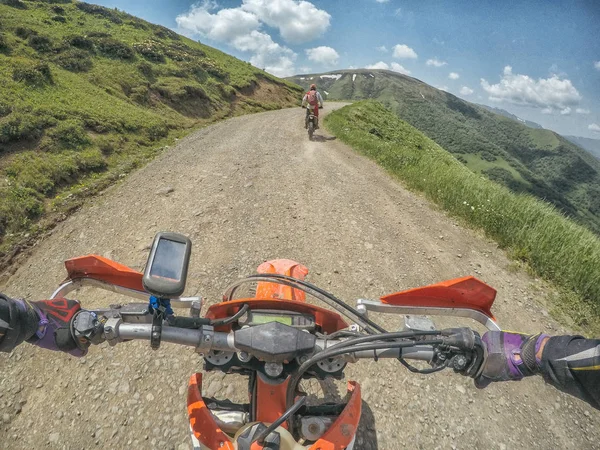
point(202, 423)
point(343, 430)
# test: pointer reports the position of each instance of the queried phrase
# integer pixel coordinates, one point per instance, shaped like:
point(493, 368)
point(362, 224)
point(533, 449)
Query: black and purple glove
point(510, 356)
point(46, 324)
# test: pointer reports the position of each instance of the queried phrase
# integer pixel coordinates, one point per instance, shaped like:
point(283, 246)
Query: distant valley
point(518, 154)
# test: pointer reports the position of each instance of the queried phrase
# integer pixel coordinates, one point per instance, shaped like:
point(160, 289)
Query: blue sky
point(537, 59)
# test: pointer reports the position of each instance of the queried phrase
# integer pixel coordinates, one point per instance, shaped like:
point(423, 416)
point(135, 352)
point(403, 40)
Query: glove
point(47, 324)
point(510, 356)
point(55, 326)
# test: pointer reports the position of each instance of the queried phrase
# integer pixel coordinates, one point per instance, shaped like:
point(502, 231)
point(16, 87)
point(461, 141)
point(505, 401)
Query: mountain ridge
point(589, 144)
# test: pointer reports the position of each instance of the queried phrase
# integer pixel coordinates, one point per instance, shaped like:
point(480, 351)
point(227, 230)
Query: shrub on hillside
point(5, 109)
point(137, 24)
point(15, 126)
point(58, 9)
point(69, 134)
point(19, 206)
point(4, 47)
point(40, 44)
point(74, 60)
point(81, 42)
point(146, 69)
point(488, 156)
point(114, 49)
point(24, 32)
point(151, 50)
point(15, 4)
point(33, 74)
point(96, 10)
point(106, 145)
point(157, 131)
point(60, 19)
point(164, 33)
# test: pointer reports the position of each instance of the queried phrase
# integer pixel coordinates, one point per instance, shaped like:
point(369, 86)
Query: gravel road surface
point(247, 190)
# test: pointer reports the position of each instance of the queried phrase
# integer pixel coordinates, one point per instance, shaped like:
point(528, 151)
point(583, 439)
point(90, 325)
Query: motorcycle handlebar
point(207, 340)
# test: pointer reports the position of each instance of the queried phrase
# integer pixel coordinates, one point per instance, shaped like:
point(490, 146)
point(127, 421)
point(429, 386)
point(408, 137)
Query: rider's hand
point(55, 326)
point(510, 356)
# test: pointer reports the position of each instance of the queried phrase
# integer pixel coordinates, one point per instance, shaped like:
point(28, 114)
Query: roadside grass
point(554, 247)
point(87, 93)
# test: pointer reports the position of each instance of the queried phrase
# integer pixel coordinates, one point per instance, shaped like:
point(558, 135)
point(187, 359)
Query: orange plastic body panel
point(104, 269)
point(202, 422)
point(329, 321)
point(278, 291)
point(343, 430)
point(270, 404)
point(465, 293)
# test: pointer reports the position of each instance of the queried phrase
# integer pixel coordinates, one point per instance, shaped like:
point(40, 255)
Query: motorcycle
point(277, 339)
point(311, 122)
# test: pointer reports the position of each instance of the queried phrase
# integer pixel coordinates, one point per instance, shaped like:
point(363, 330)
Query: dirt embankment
point(250, 189)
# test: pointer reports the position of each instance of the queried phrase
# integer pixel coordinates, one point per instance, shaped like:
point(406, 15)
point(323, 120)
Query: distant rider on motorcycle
point(569, 363)
point(314, 99)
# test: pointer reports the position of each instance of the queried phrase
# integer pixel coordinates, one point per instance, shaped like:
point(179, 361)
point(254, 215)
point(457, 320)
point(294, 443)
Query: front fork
point(308, 115)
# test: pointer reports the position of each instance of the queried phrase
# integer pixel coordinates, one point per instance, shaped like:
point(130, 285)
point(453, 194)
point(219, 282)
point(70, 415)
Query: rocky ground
point(250, 189)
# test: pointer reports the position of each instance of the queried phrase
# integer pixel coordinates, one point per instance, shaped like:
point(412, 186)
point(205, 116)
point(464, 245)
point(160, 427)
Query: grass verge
point(532, 231)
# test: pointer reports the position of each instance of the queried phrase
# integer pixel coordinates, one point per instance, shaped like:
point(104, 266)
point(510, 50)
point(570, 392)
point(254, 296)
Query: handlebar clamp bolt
point(244, 357)
point(460, 362)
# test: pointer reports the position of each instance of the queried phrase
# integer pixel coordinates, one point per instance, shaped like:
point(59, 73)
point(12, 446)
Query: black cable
point(304, 284)
point(381, 337)
point(231, 319)
point(289, 412)
point(340, 350)
point(413, 369)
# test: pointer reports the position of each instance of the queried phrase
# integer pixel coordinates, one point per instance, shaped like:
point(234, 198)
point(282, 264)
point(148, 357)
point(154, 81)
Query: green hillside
point(87, 93)
point(527, 160)
point(553, 246)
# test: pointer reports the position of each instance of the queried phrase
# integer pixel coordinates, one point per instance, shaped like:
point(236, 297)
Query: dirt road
point(250, 189)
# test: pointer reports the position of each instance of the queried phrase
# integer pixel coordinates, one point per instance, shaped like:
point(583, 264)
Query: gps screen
point(168, 260)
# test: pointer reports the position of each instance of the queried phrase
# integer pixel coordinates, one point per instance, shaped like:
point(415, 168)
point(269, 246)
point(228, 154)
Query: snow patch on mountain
point(335, 77)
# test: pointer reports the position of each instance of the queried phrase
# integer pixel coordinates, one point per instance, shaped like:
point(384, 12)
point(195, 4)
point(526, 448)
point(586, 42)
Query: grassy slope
point(553, 246)
point(87, 93)
point(527, 160)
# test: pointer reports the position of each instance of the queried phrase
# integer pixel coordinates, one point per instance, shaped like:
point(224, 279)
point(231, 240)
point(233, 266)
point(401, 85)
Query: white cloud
point(398, 68)
point(398, 12)
point(594, 127)
point(442, 88)
point(382, 49)
point(404, 51)
point(379, 65)
point(305, 69)
point(547, 111)
point(565, 111)
point(323, 55)
point(466, 90)
point(297, 21)
point(435, 62)
point(382, 1)
point(582, 111)
point(224, 26)
point(597, 65)
point(453, 76)
point(241, 28)
point(547, 93)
